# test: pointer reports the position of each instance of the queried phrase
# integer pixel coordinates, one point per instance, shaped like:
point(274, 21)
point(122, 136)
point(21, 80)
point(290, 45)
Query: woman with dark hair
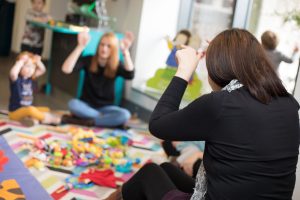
point(249, 123)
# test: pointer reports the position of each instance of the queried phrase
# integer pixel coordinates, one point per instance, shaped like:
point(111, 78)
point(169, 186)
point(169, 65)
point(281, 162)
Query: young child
point(27, 67)
point(33, 37)
point(270, 41)
point(187, 155)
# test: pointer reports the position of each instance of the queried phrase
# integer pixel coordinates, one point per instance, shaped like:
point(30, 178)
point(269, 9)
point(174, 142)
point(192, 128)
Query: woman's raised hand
point(127, 41)
point(83, 38)
point(187, 59)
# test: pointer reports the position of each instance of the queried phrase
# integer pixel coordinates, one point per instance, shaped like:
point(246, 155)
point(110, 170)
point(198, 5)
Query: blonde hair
point(113, 60)
point(269, 40)
point(31, 56)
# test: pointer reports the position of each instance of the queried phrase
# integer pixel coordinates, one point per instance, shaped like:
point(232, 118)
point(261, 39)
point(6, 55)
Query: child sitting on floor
point(27, 67)
point(187, 155)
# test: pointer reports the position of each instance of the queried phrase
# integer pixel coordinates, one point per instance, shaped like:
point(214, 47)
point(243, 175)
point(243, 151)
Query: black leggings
point(170, 149)
point(152, 182)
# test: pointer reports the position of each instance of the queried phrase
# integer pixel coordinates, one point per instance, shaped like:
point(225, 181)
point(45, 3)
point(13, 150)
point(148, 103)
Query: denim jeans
point(106, 116)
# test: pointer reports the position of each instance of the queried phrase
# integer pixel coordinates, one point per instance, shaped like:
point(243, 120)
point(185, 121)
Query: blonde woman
point(96, 102)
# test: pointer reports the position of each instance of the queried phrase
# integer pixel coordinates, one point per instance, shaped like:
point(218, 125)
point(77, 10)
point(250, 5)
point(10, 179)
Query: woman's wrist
point(126, 53)
point(80, 47)
point(184, 74)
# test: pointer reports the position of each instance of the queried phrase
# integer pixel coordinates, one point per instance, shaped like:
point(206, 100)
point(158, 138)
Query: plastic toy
point(77, 183)
point(100, 177)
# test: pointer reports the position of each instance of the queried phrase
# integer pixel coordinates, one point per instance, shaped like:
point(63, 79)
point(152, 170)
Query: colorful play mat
point(70, 162)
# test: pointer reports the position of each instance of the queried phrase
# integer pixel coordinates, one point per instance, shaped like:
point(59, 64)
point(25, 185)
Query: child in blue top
point(27, 67)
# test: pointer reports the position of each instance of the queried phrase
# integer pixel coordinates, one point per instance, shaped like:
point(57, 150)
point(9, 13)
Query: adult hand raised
point(127, 41)
point(187, 59)
point(83, 38)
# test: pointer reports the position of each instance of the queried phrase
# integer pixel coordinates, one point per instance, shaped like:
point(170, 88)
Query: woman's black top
point(251, 148)
point(98, 90)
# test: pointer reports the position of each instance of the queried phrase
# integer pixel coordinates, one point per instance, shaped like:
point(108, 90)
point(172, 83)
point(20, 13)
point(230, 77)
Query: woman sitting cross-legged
point(95, 106)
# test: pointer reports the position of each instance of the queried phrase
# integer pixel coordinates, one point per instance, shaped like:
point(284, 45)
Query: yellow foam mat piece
point(10, 190)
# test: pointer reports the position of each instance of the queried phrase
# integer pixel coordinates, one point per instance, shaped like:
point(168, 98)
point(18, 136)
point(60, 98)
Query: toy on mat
point(78, 183)
point(101, 177)
point(68, 186)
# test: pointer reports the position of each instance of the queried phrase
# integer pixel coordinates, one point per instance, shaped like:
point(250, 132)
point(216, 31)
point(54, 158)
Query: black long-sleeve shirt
point(98, 90)
point(251, 149)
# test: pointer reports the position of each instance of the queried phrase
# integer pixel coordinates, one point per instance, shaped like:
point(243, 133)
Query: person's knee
point(150, 168)
point(165, 165)
point(73, 104)
point(30, 110)
point(124, 116)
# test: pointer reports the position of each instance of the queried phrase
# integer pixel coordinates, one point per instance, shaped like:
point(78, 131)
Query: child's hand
point(49, 18)
point(23, 59)
point(175, 143)
point(189, 162)
point(41, 19)
point(127, 41)
point(296, 49)
point(37, 58)
point(83, 38)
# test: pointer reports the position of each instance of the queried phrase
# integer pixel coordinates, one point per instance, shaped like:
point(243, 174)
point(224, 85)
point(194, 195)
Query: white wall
point(151, 52)
point(56, 8)
point(150, 23)
point(156, 23)
point(128, 15)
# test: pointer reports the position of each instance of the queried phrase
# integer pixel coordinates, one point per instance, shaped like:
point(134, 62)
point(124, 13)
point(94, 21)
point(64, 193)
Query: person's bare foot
point(51, 119)
point(28, 121)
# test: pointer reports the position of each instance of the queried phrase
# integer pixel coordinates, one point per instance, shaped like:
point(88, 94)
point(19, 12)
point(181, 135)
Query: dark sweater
point(21, 93)
point(251, 148)
point(98, 90)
